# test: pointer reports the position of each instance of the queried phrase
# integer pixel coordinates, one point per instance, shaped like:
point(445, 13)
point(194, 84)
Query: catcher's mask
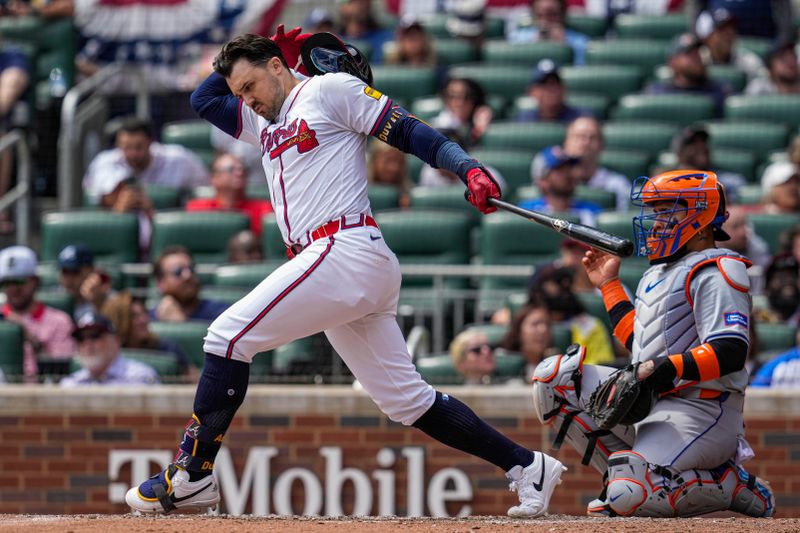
point(324, 52)
point(662, 235)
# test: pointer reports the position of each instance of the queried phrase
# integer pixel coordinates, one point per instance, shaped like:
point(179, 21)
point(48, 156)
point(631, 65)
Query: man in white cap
point(47, 331)
point(718, 29)
point(781, 186)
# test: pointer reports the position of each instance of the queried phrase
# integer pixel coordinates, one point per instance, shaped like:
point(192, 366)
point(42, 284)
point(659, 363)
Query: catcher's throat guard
point(623, 399)
point(324, 53)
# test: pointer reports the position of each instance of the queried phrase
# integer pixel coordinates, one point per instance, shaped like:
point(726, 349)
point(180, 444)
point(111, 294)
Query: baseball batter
point(343, 279)
point(689, 327)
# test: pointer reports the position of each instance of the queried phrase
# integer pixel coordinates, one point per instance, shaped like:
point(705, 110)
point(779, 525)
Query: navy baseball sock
point(220, 392)
point(451, 422)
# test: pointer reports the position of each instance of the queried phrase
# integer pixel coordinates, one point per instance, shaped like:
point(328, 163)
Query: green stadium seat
point(271, 239)
point(514, 165)
point(750, 194)
point(382, 197)
point(612, 81)
point(245, 276)
point(443, 197)
point(734, 160)
point(593, 27)
point(774, 108)
point(594, 306)
point(296, 352)
point(733, 77)
point(644, 54)
point(671, 108)
point(631, 271)
point(12, 353)
point(405, 82)
point(193, 134)
point(258, 191)
point(769, 226)
point(508, 239)
point(439, 369)
point(165, 363)
point(775, 337)
point(596, 104)
point(56, 298)
point(494, 332)
point(758, 138)
point(651, 26)
point(187, 335)
point(647, 137)
point(504, 80)
point(163, 197)
point(617, 222)
point(532, 136)
point(112, 237)
point(228, 295)
point(453, 51)
point(427, 108)
point(600, 197)
point(415, 165)
point(629, 163)
point(502, 52)
point(365, 47)
point(427, 236)
point(758, 45)
point(205, 234)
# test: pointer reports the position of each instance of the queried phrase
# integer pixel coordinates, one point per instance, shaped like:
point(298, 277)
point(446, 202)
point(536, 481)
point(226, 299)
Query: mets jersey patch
point(735, 319)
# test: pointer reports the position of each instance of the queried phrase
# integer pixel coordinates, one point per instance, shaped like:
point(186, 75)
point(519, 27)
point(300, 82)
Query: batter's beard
point(274, 110)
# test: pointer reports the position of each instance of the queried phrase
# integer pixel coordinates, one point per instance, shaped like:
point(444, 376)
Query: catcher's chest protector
point(665, 323)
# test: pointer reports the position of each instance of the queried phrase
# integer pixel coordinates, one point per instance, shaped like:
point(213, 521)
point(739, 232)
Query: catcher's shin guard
point(556, 393)
point(638, 488)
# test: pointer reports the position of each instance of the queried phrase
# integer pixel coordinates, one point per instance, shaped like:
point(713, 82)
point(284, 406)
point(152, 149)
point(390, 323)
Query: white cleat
point(170, 490)
point(534, 485)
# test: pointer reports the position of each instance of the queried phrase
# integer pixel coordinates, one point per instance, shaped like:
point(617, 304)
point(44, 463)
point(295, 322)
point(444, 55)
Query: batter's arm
point(214, 102)
point(620, 310)
point(407, 133)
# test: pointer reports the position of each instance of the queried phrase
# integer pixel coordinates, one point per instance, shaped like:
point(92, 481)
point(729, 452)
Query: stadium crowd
point(565, 101)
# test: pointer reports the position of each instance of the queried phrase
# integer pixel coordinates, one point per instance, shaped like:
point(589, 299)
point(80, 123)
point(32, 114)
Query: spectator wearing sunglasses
point(473, 357)
point(46, 330)
point(100, 358)
point(180, 289)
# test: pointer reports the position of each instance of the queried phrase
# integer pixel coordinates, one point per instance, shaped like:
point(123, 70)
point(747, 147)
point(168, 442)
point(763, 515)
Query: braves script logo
point(281, 139)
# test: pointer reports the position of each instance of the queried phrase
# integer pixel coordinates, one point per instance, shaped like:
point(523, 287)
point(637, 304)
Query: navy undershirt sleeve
point(409, 134)
point(214, 102)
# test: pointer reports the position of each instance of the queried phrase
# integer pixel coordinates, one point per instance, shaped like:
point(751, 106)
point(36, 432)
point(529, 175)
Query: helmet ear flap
point(721, 216)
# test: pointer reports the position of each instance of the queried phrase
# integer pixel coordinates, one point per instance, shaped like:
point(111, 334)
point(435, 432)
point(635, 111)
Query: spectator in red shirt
point(229, 179)
point(46, 330)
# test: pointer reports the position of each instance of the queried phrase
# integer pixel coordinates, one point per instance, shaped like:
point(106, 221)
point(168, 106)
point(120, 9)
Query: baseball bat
point(594, 237)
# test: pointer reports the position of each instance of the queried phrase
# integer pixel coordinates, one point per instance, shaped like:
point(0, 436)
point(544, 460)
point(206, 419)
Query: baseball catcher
point(667, 431)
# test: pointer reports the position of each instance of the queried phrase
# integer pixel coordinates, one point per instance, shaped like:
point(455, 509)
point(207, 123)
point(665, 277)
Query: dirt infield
point(482, 524)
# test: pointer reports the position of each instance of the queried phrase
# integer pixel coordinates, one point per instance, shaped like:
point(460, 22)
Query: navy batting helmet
point(324, 52)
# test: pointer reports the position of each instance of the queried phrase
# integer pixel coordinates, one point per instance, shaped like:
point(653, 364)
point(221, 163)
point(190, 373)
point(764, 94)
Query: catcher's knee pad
point(580, 431)
point(634, 488)
point(557, 382)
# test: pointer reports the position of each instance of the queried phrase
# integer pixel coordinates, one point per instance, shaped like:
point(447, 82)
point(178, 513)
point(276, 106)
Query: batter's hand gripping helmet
point(324, 52)
point(697, 193)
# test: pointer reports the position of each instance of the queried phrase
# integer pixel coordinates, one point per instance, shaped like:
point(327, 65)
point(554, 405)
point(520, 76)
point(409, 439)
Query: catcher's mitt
point(621, 399)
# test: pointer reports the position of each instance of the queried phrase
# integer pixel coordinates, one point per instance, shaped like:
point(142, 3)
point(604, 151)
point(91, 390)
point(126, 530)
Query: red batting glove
point(482, 186)
point(290, 44)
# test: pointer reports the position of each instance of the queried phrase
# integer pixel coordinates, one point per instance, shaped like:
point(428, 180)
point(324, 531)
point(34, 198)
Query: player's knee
point(556, 381)
point(627, 482)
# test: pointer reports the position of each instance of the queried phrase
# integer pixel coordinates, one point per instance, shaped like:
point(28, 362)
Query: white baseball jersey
point(314, 152)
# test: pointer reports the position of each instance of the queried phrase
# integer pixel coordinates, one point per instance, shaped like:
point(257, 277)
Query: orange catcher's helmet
point(695, 200)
